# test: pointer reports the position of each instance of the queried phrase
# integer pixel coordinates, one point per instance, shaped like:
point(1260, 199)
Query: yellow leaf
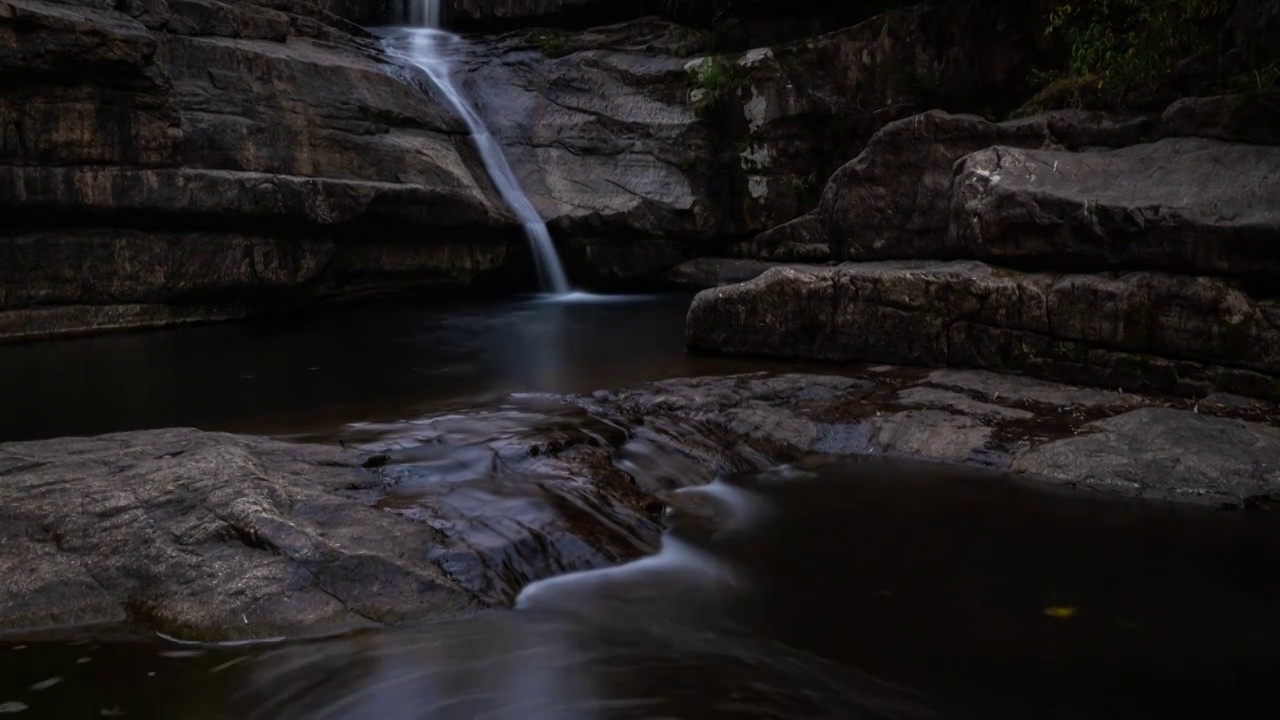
point(1060, 612)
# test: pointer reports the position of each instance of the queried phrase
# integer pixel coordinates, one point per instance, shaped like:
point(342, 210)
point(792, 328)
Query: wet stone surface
point(217, 536)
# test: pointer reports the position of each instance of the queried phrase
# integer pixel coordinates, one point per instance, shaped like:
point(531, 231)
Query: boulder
point(893, 200)
point(1136, 331)
point(1246, 117)
point(1181, 205)
point(803, 239)
point(215, 158)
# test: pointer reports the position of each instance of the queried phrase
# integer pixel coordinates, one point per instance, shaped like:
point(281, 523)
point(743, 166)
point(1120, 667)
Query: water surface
point(862, 589)
point(317, 373)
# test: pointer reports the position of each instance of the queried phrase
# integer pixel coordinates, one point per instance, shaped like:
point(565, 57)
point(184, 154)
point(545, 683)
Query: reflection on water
point(870, 588)
point(318, 372)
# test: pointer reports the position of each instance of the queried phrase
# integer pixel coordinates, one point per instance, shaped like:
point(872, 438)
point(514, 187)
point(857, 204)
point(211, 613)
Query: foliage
point(553, 45)
point(805, 189)
point(715, 79)
point(1119, 47)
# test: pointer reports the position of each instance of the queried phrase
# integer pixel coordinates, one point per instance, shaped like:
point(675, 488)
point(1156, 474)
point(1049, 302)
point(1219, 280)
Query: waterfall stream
point(430, 49)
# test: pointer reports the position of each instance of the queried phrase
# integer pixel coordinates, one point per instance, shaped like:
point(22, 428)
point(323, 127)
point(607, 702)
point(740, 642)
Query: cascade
point(430, 49)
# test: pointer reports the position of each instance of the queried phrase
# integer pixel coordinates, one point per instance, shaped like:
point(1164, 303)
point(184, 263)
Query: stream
point(864, 588)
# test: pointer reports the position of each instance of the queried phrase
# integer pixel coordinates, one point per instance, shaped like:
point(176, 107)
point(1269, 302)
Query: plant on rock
point(1121, 47)
point(715, 79)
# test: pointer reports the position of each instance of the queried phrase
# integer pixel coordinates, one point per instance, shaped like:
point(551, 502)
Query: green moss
point(552, 45)
point(716, 80)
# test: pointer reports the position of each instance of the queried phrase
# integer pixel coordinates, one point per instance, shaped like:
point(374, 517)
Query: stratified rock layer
point(215, 536)
point(1138, 331)
point(194, 160)
point(1182, 205)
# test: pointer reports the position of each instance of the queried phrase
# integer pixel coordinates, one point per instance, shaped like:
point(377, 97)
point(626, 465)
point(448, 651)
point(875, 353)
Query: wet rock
point(214, 156)
point(604, 139)
point(206, 536)
point(1185, 205)
point(1124, 444)
point(1165, 453)
point(215, 536)
point(1139, 331)
point(702, 273)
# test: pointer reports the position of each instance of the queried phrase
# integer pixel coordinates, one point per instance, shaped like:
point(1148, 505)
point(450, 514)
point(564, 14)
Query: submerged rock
point(1142, 331)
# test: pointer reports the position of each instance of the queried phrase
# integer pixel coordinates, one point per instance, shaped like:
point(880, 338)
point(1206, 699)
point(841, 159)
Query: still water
point(314, 373)
point(867, 588)
point(862, 589)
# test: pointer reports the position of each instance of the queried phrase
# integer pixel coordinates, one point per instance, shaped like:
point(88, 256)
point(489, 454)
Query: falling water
point(429, 50)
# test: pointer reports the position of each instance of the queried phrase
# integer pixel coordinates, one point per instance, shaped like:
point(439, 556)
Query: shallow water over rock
point(873, 588)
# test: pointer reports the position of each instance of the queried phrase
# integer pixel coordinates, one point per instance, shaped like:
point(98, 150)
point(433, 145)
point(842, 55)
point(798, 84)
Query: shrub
point(1119, 47)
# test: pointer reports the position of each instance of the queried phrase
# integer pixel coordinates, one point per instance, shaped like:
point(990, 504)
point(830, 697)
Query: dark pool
point(863, 589)
point(314, 373)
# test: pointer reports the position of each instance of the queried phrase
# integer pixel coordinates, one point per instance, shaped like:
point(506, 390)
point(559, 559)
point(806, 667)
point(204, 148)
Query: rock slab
point(1139, 331)
point(206, 536)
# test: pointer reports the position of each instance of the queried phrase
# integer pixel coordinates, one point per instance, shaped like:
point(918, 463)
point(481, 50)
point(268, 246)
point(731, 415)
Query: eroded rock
point(1140, 331)
point(206, 536)
point(1183, 205)
point(216, 157)
point(215, 536)
point(703, 273)
point(893, 200)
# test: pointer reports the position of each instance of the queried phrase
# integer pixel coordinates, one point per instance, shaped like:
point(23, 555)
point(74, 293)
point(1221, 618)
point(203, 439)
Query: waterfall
point(430, 49)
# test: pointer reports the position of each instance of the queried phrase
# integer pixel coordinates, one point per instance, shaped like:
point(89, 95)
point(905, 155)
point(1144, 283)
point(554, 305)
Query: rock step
point(1185, 205)
point(1146, 331)
point(1053, 192)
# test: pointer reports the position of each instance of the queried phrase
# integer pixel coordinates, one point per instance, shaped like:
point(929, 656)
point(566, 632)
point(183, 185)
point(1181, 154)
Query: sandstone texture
point(1180, 205)
point(211, 536)
point(638, 131)
point(196, 159)
point(1137, 331)
point(1133, 251)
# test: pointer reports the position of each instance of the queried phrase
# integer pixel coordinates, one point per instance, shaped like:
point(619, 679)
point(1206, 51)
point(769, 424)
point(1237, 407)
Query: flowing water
point(867, 588)
point(863, 589)
point(432, 50)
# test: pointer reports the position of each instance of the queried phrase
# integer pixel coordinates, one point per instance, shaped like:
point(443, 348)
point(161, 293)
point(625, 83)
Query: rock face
point(1137, 331)
point(192, 160)
point(619, 133)
point(1184, 205)
point(1178, 228)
